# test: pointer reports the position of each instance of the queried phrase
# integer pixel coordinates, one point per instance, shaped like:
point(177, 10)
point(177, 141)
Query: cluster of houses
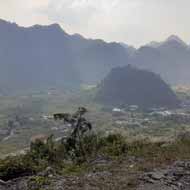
point(130, 117)
point(131, 108)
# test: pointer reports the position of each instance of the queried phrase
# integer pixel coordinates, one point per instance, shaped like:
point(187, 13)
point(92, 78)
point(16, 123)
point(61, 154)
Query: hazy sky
point(135, 22)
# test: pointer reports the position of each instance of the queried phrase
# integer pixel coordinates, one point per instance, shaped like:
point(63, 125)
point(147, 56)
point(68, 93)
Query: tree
point(74, 143)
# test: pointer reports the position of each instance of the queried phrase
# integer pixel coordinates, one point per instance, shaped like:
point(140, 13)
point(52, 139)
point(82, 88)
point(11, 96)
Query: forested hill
point(130, 86)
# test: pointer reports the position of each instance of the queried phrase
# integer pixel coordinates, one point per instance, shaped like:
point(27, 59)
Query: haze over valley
point(89, 101)
point(41, 57)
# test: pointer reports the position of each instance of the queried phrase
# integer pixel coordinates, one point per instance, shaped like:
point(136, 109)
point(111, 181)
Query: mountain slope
point(41, 57)
point(170, 59)
point(46, 56)
point(130, 86)
point(33, 57)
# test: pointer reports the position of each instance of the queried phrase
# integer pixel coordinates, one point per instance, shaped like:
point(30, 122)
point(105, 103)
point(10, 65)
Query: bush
point(113, 145)
point(73, 169)
point(40, 150)
point(91, 145)
point(14, 167)
point(82, 151)
point(37, 182)
point(37, 159)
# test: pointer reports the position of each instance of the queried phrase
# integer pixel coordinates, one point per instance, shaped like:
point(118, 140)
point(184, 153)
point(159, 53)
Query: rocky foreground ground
point(109, 175)
point(173, 177)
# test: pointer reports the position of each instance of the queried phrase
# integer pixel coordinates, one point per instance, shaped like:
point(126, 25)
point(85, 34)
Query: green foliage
point(76, 152)
point(13, 167)
point(143, 148)
point(90, 145)
point(113, 145)
point(73, 169)
point(40, 150)
point(43, 154)
point(37, 182)
point(160, 152)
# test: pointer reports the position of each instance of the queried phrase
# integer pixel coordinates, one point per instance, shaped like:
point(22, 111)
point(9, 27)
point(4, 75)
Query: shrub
point(90, 145)
point(14, 167)
point(40, 150)
point(113, 145)
point(73, 169)
point(37, 182)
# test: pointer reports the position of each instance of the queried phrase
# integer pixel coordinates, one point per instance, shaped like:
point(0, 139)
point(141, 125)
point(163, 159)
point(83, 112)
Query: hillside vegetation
point(130, 86)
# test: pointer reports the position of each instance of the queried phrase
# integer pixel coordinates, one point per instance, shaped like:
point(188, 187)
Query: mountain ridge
point(170, 59)
point(54, 57)
point(57, 58)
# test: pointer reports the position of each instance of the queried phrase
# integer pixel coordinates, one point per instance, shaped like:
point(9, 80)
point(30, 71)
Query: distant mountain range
point(170, 59)
point(40, 57)
point(131, 86)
